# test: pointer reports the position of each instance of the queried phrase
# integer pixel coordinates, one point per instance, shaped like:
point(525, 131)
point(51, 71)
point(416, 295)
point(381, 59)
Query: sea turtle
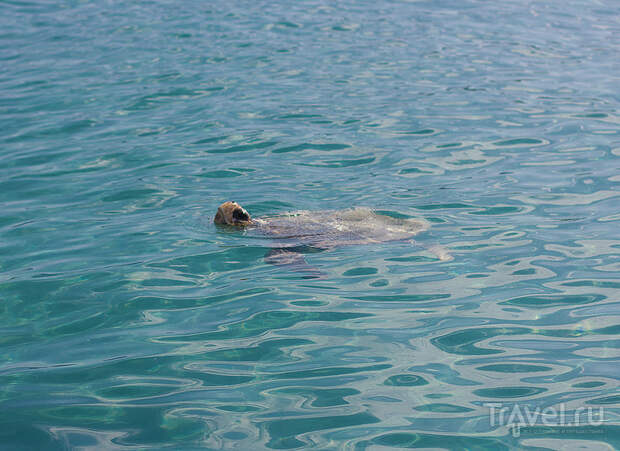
point(303, 232)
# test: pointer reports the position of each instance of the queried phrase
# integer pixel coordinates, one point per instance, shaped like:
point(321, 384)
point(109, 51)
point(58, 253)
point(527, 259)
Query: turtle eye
point(240, 215)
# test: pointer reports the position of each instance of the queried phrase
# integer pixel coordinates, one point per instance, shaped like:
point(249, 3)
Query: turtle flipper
point(441, 253)
point(294, 261)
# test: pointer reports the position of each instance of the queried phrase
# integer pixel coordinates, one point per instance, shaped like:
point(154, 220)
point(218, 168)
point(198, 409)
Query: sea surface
point(128, 321)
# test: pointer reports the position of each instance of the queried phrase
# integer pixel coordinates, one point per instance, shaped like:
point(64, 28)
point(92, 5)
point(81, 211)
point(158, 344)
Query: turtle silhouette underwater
point(303, 232)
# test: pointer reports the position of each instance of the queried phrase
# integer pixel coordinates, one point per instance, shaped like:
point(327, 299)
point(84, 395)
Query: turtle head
point(231, 213)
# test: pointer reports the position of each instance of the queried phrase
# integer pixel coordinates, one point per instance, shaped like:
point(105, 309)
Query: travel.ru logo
point(517, 416)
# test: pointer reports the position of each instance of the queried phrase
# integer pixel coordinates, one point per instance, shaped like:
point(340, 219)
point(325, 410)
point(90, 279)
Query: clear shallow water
point(130, 322)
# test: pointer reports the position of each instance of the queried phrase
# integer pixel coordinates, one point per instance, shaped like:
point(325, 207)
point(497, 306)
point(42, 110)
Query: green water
point(128, 321)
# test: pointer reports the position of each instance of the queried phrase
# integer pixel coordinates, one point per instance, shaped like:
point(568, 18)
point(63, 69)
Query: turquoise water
point(130, 322)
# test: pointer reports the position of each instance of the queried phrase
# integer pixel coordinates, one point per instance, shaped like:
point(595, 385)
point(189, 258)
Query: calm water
point(130, 322)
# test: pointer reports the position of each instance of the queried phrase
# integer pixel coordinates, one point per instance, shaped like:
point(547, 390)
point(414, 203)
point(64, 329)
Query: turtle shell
point(328, 229)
